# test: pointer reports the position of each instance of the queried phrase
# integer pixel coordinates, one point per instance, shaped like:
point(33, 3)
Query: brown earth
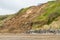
point(23, 22)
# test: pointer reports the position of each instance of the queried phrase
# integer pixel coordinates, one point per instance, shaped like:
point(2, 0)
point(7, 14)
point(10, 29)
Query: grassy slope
point(51, 13)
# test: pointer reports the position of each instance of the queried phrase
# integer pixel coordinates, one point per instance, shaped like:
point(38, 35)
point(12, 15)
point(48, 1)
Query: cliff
point(41, 17)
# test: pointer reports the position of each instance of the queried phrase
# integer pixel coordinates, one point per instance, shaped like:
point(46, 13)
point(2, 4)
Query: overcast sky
point(12, 6)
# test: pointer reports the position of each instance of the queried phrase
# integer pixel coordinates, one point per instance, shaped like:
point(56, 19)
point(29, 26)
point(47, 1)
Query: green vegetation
point(52, 11)
point(2, 17)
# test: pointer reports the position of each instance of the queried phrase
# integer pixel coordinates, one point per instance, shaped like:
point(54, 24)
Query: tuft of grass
point(22, 10)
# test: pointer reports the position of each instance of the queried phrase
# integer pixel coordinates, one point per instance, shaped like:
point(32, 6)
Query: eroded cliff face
point(33, 18)
point(23, 22)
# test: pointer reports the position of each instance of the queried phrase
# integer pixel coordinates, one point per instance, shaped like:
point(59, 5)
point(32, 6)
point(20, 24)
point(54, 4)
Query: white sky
point(12, 6)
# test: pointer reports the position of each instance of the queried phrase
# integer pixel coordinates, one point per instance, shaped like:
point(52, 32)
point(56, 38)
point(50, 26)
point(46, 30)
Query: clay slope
point(32, 18)
point(23, 22)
